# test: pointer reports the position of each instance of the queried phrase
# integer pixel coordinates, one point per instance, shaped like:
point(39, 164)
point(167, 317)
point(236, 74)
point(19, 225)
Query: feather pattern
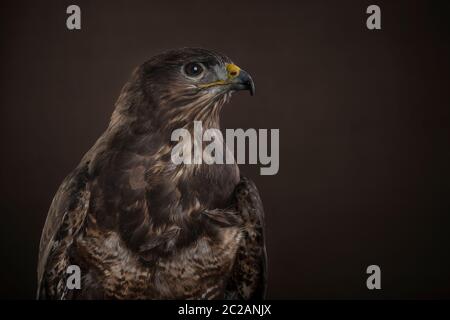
point(141, 227)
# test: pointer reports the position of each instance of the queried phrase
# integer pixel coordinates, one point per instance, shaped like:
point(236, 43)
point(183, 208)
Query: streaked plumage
point(141, 227)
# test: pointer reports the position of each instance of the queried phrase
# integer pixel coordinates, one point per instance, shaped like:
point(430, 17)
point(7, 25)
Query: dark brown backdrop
point(363, 118)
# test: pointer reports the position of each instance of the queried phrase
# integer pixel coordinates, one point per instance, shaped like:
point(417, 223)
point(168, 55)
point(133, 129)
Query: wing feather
point(65, 218)
point(249, 275)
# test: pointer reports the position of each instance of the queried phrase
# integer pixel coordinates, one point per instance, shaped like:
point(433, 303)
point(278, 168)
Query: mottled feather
point(141, 227)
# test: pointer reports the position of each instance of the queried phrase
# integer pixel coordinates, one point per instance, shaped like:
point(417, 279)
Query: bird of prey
point(139, 226)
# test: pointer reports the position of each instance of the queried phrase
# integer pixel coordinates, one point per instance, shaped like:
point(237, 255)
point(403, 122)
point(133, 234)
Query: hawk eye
point(193, 69)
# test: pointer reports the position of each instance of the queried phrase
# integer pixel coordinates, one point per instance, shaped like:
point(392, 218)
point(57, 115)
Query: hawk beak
point(240, 79)
point(237, 79)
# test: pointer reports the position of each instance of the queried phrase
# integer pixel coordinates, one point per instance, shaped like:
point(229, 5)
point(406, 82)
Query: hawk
point(140, 227)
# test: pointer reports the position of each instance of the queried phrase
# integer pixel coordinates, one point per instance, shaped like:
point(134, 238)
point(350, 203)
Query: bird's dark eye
point(193, 69)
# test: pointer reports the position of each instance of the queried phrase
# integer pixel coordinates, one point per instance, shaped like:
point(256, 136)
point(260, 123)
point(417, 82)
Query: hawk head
point(177, 87)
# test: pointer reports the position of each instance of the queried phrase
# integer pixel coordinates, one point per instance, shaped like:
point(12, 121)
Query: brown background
point(363, 116)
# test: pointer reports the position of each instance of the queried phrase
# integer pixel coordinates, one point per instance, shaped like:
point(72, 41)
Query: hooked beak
point(237, 79)
point(240, 79)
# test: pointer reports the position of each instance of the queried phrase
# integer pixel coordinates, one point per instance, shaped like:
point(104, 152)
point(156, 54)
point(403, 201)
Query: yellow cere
point(233, 70)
